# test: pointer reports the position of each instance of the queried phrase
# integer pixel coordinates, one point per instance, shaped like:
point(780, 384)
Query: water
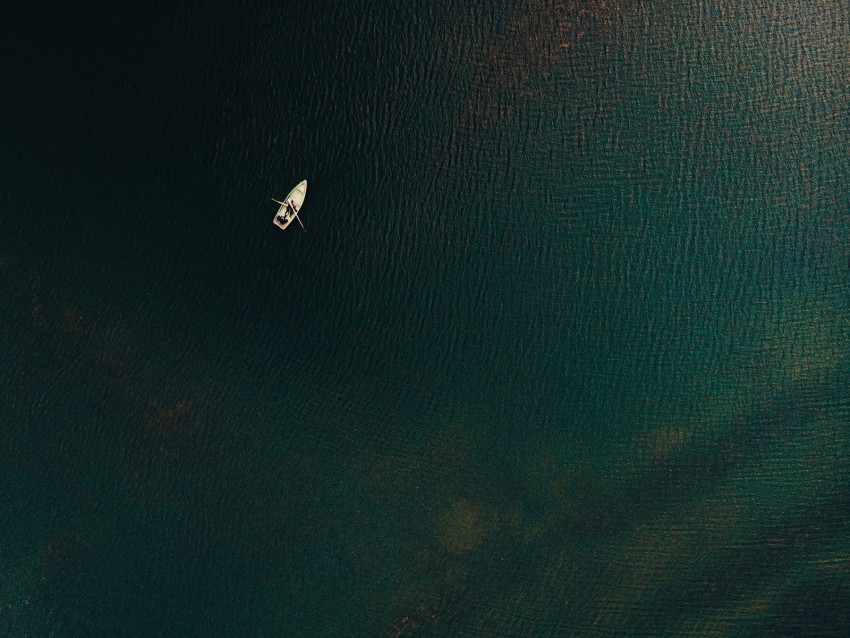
point(563, 351)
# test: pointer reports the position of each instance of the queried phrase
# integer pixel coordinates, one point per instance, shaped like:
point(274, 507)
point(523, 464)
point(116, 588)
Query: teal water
point(563, 351)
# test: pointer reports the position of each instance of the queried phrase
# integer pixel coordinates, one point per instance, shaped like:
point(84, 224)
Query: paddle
point(294, 211)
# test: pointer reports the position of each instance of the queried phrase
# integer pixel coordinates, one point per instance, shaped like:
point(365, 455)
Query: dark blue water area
point(562, 351)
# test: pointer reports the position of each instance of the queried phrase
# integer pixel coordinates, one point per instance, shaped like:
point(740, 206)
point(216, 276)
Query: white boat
point(290, 206)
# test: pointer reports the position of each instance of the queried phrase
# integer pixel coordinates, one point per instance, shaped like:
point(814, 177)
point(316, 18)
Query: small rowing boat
point(290, 206)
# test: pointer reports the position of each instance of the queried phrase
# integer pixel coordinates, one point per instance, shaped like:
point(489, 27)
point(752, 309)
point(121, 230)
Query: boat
point(290, 206)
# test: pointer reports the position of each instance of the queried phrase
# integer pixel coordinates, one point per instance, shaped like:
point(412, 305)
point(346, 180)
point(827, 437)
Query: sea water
point(562, 351)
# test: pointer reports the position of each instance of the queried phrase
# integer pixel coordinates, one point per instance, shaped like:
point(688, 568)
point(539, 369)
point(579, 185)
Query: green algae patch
point(464, 526)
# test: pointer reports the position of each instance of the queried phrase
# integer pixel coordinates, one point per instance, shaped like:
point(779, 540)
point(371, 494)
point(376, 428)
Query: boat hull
point(285, 215)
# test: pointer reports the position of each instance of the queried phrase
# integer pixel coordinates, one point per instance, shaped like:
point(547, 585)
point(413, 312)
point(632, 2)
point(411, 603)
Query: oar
point(296, 212)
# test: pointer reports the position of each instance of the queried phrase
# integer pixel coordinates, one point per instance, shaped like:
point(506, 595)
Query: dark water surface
point(563, 352)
